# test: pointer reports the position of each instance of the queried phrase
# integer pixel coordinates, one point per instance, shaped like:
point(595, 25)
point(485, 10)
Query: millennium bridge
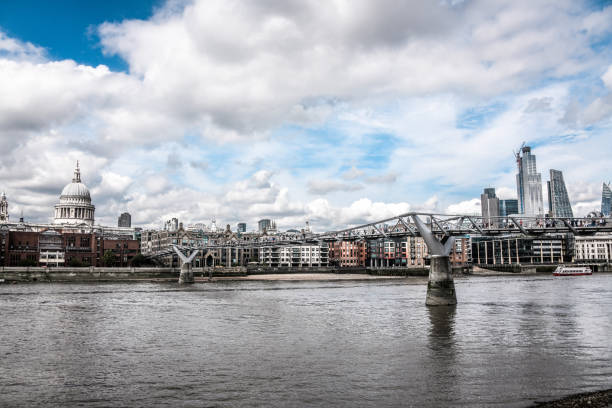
point(437, 230)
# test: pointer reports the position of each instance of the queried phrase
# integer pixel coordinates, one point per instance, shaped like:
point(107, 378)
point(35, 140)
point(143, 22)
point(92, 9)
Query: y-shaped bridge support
point(440, 288)
point(186, 275)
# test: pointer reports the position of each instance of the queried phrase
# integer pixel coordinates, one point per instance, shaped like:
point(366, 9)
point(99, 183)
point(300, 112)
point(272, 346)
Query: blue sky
point(66, 28)
point(336, 114)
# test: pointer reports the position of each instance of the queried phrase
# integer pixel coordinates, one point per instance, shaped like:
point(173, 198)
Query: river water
point(510, 341)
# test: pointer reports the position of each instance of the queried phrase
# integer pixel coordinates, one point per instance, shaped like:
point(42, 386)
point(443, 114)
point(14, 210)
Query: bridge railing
point(440, 224)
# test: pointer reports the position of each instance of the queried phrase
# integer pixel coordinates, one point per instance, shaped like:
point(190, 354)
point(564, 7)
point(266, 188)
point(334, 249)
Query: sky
point(337, 113)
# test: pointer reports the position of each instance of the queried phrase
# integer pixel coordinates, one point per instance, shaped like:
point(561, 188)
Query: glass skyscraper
point(558, 200)
point(528, 183)
point(508, 207)
point(606, 200)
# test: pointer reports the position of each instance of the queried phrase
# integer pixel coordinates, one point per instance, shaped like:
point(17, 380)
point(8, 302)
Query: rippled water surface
point(510, 341)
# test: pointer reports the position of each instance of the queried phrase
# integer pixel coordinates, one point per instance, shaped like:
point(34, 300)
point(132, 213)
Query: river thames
point(509, 342)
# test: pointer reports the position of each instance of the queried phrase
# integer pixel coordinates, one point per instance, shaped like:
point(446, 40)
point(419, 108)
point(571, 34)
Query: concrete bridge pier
point(441, 287)
point(186, 275)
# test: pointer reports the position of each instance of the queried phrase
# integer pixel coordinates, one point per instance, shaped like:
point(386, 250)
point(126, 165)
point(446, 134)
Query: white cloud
point(247, 66)
point(227, 107)
point(506, 193)
point(607, 78)
point(467, 207)
point(352, 173)
point(19, 50)
point(112, 184)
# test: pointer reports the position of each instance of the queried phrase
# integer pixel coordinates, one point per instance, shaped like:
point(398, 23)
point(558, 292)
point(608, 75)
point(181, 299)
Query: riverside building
point(412, 252)
point(72, 239)
point(294, 256)
point(593, 248)
point(349, 253)
point(520, 250)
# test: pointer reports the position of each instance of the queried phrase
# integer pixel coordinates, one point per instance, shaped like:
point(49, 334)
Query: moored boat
point(563, 270)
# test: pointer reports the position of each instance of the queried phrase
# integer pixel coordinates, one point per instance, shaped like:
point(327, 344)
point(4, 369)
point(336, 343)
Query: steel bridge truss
point(442, 226)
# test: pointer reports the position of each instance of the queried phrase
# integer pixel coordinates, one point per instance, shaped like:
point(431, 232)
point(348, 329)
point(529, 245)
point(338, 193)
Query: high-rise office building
point(125, 220)
point(241, 227)
point(508, 207)
point(528, 183)
point(558, 200)
point(264, 225)
point(489, 205)
point(606, 200)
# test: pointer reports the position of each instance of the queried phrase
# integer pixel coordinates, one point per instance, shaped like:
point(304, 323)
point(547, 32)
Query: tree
point(140, 260)
point(75, 262)
point(27, 262)
point(108, 259)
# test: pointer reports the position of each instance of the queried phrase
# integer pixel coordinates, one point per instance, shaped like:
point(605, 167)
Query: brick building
point(348, 253)
point(412, 252)
point(72, 239)
point(56, 247)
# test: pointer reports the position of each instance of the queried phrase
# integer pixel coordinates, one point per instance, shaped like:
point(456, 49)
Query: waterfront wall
point(102, 274)
point(390, 271)
point(509, 268)
point(539, 268)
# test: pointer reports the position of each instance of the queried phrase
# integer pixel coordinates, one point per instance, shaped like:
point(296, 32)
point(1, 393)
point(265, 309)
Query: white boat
point(563, 270)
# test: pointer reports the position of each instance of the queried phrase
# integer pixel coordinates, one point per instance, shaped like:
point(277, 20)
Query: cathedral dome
point(76, 190)
point(75, 203)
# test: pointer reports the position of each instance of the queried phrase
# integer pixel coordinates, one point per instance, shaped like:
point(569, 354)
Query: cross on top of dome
point(77, 174)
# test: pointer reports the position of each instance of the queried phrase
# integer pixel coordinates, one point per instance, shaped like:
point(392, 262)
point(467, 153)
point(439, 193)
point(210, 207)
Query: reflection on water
point(442, 330)
point(442, 354)
point(508, 342)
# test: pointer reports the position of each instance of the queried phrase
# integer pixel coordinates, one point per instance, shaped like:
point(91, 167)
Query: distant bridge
point(441, 225)
point(438, 231)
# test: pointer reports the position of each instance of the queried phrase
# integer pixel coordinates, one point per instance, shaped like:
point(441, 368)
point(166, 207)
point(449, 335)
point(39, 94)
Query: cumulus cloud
point(467, 207)
point(362, 211)
point(246, 66)
point(112, 184)
point(506, 193)
point(19, 50)
point(257, 189)
point(266, 103)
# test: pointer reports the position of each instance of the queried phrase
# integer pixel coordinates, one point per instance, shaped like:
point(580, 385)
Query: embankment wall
point(93, 274)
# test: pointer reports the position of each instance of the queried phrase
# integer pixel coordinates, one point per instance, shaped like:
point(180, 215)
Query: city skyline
point(558, 201)
point(309, 118)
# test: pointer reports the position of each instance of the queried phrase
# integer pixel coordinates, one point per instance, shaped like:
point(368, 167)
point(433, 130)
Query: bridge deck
point(440, 224)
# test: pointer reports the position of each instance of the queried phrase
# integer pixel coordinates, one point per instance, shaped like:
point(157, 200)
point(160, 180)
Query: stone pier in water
point(441, 287)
